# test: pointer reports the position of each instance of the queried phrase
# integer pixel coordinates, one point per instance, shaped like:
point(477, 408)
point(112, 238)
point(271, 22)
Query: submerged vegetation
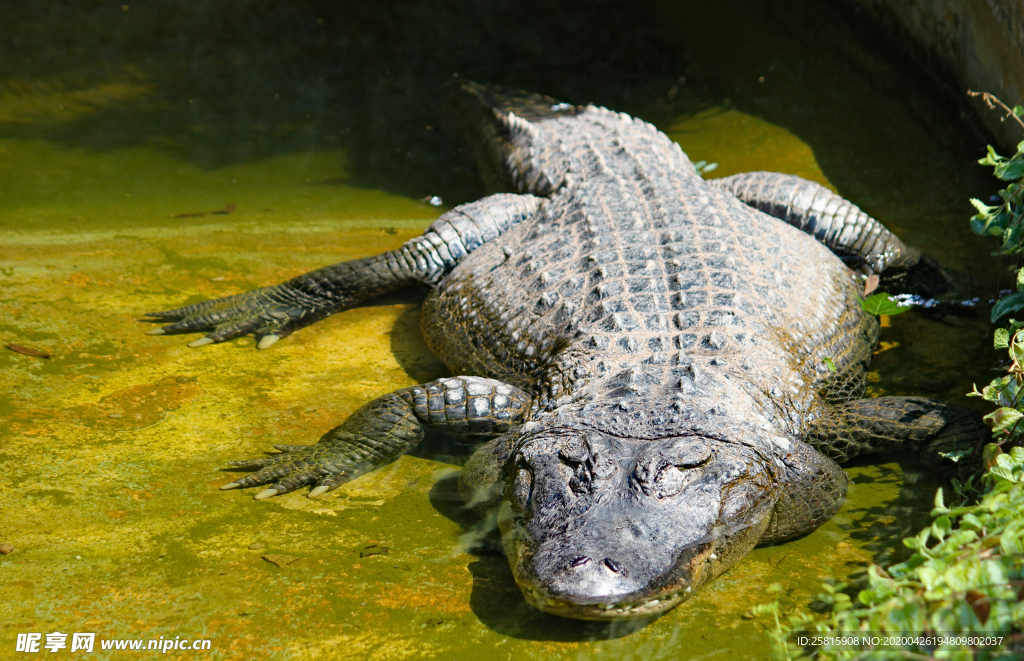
point(961, 594)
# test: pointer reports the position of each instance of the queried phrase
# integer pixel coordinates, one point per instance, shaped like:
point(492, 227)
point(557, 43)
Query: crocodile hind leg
point(844, 228)
point(884, 424)
point(271, 313)
point(386, 428)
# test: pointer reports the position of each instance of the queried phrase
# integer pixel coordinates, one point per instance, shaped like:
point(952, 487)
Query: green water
point(124, 128)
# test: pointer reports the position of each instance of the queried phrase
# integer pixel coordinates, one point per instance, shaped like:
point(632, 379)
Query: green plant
point(883, 303)
point(965, 579)
point(966, 575)
point(1006, 220)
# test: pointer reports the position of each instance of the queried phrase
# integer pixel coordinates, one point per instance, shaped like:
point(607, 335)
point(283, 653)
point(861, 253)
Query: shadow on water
point(495, 597)
point(247, 80)
point(878, 526)
point(407, 343)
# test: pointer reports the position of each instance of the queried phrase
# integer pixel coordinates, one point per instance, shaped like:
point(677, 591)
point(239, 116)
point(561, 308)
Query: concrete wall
point(971, 44)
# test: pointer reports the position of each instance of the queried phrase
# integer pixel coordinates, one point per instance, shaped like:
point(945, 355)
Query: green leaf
point(1011, 170)
point(1019, 111)
point(941, 527)
point(983, 209)
point(971, 522)
point(978, 225)
point(829, 364)
point(761, 609)
point(1001, 391)
point(703, 167)
point(1003, 419)
point(989, 454)
point(883, 303)
point(992, 158)
point(956, 455)
point(1004, 306)
point(1017, 346)
point(1001, 340)
point(1011, 237)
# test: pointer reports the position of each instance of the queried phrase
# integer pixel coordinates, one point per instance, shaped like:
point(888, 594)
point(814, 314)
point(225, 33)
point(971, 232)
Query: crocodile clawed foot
point(270, 313)
point(293, 467)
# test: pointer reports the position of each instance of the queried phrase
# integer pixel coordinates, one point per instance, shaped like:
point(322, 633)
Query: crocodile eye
point(663, 474)
point(522, 488)
point(574, 451)
point(671, 479)
point(688, 453)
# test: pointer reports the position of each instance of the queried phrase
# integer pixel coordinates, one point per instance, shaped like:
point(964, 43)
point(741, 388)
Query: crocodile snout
point(587, 581)
point(598, 527)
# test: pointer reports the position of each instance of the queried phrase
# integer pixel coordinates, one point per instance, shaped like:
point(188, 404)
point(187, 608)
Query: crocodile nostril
point(579, 561)
point(613, 565)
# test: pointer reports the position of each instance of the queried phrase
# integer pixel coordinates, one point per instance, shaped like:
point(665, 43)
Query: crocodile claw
point(266, 493)
point(268, 341)
point(270, 314)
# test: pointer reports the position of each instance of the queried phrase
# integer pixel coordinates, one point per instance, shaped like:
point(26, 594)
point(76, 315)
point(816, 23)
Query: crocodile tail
point(505, 129)
point(502, 100)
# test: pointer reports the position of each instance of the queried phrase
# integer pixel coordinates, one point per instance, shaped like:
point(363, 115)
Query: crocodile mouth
point(612, 610)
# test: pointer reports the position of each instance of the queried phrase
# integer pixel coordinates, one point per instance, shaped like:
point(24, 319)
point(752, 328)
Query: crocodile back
point(641, 300)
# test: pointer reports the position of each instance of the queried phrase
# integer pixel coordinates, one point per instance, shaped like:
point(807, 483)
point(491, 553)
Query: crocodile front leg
point(386, 428)
point(813, 488)
point(271, 313)
point(885, 424)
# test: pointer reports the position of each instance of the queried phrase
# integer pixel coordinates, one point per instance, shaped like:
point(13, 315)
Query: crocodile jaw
point(653, 607)
point(600, 527)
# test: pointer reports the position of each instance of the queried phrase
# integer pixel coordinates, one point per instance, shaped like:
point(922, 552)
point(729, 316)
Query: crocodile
point(660, 371)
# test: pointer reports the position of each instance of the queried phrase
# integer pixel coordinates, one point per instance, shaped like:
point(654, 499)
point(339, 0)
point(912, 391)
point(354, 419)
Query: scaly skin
point(860, 240)
point(646, 351)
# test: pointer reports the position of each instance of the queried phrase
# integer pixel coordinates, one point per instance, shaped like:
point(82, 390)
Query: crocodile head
point(599, 527)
